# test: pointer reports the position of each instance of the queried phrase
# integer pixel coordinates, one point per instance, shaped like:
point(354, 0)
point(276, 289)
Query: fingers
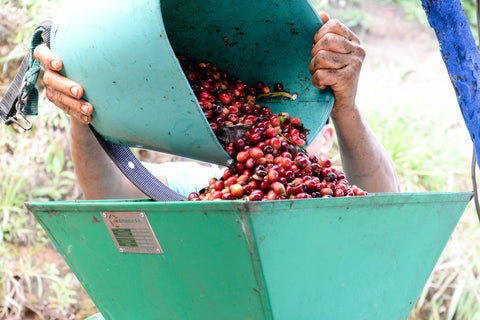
point(60, 83)
point(343, 83)
point(324, 16)
point(334, 42)
point(63, 92)
point(327, 60)
point(78, 109)
point(335, 71)
point(337, 61)
point(66, 94)
point(43, 54)
point(336, 27)
point(330, 59)
point(344, 77)
point(335, 52)
point(52, 79)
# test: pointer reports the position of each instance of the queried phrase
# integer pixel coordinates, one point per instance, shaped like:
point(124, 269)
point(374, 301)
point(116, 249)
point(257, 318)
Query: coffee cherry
point(271, 195)
point(255, 195)
point(236, 190)
point(330, 177)
point(247, 189)
point(243, 156)
point(230, 150)
point(230, 181)
point(278, 87)
point(256, 153)
point(193, 196)
point(295, 122)
point(219, 185)
point(326, 191)
point(273, 175)
point(303, 195)
point(250, 163)
point(227, 196)
point(270, 163)
point(278, 187)
point(216, 195)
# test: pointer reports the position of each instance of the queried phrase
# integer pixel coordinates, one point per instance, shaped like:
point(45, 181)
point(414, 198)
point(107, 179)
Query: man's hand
point(337, 60)
point(63, 92)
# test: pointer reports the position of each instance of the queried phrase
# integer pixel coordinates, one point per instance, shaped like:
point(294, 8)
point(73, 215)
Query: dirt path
point(403, 60)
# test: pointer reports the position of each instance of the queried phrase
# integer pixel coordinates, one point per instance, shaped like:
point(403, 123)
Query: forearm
point(365, 161)
point(97, 175)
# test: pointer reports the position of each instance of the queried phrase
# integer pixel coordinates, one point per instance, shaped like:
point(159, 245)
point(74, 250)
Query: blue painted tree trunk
point(461, 57)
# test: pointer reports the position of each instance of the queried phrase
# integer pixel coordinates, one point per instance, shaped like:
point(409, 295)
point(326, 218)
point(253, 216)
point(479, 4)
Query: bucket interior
point(268, 41)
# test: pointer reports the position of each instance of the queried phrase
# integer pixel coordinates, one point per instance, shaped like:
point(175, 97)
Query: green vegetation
point(413, 9)
point(353, 16)
point(34, 281)
point(431, 151)
point(33, 166)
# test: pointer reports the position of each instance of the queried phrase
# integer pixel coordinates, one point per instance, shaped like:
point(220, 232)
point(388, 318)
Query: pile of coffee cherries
point(270, 161)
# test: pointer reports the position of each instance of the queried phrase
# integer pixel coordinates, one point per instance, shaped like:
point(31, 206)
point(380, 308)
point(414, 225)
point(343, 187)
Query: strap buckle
point(23, 122)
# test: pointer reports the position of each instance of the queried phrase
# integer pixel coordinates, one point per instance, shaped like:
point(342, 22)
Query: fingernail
point(85, 119)
point(55, 64)
point(74, 91)
point(84, 108)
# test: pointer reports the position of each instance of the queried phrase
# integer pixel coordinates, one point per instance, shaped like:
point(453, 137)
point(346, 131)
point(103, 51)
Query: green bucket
point(339, 258)
point(123, 54)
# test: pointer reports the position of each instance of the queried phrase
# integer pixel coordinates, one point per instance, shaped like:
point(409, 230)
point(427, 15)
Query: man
point(337, 60)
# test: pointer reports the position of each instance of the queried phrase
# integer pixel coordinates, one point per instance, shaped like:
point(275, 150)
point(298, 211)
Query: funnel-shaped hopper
point(340, 258)
point(123, 54)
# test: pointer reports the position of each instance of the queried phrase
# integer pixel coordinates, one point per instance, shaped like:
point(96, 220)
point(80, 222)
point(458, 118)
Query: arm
point(337, 60)
point(97, 175)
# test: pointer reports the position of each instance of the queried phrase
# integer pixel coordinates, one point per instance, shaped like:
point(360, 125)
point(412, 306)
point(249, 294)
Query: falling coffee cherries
point(270, 161)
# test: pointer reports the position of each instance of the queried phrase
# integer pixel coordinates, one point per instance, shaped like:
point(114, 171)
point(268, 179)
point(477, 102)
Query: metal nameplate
point(132, 232)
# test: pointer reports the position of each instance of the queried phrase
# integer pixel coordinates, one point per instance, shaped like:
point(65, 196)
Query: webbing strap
point(134, 170)
point(21, 98)
point(9, 100)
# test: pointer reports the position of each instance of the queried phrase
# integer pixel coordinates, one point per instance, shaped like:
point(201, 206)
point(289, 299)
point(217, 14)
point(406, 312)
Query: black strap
point(21, 92)
point(134, 170)
point(9, 100)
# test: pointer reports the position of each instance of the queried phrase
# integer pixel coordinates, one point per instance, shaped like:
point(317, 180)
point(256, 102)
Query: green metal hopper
point(339, 258)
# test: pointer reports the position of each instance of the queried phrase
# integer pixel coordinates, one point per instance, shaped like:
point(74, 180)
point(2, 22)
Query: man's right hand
point(337, 58)
point(63, 92)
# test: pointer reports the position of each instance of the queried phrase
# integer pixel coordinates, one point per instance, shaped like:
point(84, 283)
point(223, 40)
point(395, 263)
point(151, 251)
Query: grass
point(34, 167)
point(34, 281)
point(424, 134)
point(424, 131)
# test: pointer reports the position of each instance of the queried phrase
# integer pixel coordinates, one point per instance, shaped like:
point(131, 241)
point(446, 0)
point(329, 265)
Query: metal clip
point(21, 102)
point(25, 124)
